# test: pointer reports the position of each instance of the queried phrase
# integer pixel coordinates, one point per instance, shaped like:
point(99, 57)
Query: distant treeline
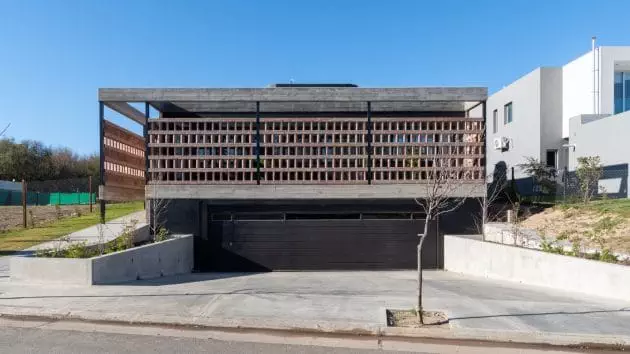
point(33, 161)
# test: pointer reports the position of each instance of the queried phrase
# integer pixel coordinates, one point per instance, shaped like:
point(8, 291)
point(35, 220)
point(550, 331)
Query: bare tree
point(495, 186)
point(157, 214)
point(445, 190)
point(4, 130)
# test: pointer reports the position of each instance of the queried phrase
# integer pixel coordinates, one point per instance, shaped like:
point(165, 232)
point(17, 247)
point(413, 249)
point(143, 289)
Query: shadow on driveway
point(185, 278)
point(621, 310)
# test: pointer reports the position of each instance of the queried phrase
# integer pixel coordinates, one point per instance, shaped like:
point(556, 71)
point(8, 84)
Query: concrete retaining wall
point(170, 257)
point(470, 255)
point(67, 271)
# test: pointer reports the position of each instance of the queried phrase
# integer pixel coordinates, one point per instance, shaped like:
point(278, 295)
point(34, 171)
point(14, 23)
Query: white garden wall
point(470, 255)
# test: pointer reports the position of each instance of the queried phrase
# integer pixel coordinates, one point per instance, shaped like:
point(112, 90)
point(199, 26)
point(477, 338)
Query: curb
point(478, 336)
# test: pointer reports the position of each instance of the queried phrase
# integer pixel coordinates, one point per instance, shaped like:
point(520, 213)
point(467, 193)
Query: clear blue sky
point(54, 55)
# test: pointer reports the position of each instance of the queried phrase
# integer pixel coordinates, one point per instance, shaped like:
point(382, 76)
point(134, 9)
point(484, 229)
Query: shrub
point(125, 240)
point(79, 250)
point(544, 176)
point(588, 172)
point(162, 234)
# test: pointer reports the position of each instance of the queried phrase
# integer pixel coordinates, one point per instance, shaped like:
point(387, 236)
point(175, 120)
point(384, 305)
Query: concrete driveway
point(323, 300)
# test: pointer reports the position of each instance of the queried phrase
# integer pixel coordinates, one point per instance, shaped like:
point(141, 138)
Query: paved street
point(324, 301)
point(76, 337)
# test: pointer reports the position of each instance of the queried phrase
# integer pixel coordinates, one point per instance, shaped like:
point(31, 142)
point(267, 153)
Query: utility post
point(24, 202)
point(90, 192)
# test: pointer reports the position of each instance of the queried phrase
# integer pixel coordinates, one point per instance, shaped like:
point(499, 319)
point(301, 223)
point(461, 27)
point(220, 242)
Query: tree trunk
point(484, 217)
point(419, 250)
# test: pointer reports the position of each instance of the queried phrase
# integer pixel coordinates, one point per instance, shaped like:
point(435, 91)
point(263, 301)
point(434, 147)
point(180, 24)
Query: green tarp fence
point(8, 197)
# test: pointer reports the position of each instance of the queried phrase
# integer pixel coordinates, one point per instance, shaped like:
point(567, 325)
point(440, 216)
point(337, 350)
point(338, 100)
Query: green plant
point(588, 172)
point(125, 240)
point(162, 234)
point(598, 235)
point(576, 247)
point(607, 256)
point(549, 245)
point(78, 250)
point(543, 175)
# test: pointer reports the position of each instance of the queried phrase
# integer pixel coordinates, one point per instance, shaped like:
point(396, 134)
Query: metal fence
point(76, 191)
point(612, 184)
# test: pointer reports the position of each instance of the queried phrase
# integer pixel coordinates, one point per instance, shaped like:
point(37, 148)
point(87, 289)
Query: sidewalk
point(338, 302)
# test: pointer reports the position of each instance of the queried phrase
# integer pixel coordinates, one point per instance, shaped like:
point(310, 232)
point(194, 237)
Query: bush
point(162, 234)
point(588, 172)
point(125, 240)
point(79, 250)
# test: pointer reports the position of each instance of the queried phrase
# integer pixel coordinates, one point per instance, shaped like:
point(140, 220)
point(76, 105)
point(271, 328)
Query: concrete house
point(557, 114)
point(294, 177)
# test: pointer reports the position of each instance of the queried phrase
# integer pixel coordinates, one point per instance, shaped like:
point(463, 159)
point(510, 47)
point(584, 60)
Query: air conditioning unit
point(502, 143)
point(505, 143)
point(497, 143)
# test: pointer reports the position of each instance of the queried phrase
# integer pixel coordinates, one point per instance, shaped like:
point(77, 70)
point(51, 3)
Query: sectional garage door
point(285, 241)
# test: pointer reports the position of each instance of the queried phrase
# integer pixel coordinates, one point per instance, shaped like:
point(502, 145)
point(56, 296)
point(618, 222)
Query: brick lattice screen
point(311, 150)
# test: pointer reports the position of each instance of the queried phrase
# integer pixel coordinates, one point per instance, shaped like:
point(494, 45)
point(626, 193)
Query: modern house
point(557, 114)
point(294, 177)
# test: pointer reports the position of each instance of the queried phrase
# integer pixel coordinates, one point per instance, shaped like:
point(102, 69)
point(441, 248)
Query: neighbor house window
point(622, 91)
point(495, 121)
point(507, 113)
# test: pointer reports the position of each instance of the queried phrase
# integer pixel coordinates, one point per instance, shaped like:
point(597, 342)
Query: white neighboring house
point(548, 114)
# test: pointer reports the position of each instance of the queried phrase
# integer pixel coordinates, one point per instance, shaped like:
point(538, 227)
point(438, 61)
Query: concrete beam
point(128, 111)
point(293, 107)
point(297, 192)
point(294, 94)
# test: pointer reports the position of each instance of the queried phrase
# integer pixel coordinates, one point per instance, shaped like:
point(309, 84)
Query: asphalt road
point(27, 340)
point(32, 336)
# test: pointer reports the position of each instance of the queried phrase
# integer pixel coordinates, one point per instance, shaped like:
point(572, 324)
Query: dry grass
point(12, 215)
point(576, 221)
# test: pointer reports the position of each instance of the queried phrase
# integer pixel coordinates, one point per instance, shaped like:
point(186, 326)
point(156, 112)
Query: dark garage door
point(283, 241)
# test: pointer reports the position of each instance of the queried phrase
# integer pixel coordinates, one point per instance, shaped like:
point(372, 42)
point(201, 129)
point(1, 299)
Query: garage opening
point(323, 239)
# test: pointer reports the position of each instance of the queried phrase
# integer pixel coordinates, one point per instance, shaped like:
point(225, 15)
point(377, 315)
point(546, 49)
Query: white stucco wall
point(524, 130)
point(577, 93)
point(577, 78)
point(551, 115)
point(606, 138)
point(532, 130)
